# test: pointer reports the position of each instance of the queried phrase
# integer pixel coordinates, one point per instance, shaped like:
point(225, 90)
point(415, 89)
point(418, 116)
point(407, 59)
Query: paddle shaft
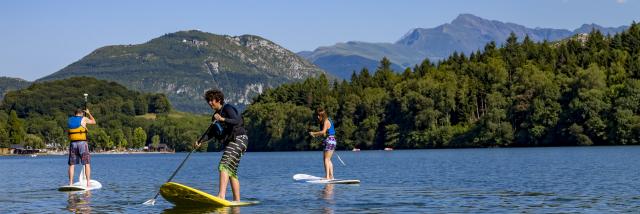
point(340, 159)
point(86, 100)
point(185, 160)
point(86, 96)
point(334, 152)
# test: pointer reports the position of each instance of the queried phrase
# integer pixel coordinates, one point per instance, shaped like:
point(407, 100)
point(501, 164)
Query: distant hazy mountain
point(11, 84)
point(466, 33)
point(348, 63)
point(469, 33)
point(185, 64)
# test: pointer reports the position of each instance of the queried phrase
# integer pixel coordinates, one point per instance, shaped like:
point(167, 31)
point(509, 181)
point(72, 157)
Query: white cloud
point(621, 1)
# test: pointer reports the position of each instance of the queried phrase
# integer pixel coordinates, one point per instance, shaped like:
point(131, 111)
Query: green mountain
point(10, 84)
point(185, 64)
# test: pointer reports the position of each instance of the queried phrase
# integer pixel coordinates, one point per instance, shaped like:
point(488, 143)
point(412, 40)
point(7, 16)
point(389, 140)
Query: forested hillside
point(36, 117)
point(581, 91)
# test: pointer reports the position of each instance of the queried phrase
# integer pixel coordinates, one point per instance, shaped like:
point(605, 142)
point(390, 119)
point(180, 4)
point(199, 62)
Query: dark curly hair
point(214, 94)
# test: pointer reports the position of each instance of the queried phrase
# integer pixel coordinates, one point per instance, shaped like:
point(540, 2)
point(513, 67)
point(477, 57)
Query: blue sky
point(38, 38)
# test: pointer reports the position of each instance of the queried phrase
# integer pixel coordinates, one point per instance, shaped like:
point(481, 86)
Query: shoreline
point(92, 153)
point(345, 150)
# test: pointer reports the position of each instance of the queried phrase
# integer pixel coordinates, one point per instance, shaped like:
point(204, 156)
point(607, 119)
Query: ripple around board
point(537, 180)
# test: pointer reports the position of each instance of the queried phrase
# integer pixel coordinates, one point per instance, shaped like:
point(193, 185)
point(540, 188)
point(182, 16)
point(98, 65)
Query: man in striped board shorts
point(233, 135)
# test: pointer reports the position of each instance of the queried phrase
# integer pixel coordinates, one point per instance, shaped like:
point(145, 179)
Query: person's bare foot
point(221, 197)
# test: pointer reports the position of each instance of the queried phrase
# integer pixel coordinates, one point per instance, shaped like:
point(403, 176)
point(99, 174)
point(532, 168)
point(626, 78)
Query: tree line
point(36, 117)
point(580, 91)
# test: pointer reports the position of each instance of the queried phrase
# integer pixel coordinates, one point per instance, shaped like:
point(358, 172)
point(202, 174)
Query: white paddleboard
point(81, 185)
point(319, 180)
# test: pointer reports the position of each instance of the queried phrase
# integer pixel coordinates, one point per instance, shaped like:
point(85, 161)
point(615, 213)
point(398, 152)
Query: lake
point(502, 180)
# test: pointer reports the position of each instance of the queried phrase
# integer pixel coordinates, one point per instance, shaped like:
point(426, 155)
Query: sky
point(38, 38)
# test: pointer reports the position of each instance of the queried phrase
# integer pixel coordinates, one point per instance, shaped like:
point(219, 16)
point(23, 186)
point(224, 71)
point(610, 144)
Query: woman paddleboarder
point(326, 130)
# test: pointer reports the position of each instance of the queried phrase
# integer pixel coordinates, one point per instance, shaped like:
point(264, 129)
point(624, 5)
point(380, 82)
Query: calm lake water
point(539, 180)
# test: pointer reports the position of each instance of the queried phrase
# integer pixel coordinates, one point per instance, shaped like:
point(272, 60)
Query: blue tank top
point(74, 122)
point(331, 131)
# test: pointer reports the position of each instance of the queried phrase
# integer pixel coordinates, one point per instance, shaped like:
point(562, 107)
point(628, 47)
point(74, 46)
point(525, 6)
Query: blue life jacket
point(74, 122)
point(223, 131)
point(331, 131)
point(76, 131)
point(218, 130)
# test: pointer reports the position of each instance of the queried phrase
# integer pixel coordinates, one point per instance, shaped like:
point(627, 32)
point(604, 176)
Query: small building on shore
point(161, 148)
point(20, 150)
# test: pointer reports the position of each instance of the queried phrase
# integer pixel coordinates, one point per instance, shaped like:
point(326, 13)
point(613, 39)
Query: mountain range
point(465, 34)
point(183, 65)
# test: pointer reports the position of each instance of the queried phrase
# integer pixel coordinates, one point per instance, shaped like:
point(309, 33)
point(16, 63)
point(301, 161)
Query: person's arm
point(322, 132)
point(232, 117)
point(89, 120)
point(208, 135)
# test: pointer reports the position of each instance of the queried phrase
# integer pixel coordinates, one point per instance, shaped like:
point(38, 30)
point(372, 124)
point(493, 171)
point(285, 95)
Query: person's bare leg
point(330, 164)
point(224, 180)
point(71, 168)
point(327, 161)
point(235, 188)
point(87, 172)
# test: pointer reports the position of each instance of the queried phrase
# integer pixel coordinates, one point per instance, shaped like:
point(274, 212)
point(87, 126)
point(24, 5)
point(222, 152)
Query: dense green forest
point(36, 117)
point(580, 91)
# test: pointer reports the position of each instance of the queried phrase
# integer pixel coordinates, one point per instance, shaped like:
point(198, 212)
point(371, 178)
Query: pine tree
point(16, 129)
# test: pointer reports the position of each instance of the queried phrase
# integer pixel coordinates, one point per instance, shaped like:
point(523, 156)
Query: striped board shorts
point(232, 154)
point(79, 153)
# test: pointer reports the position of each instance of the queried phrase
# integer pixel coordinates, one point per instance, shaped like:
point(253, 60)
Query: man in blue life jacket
point(79, 148)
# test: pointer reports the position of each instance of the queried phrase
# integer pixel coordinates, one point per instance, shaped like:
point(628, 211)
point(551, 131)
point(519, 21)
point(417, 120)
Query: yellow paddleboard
point(185, 196)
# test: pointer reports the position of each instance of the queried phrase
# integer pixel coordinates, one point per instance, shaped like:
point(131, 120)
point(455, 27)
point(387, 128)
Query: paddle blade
point(150, 202)
point(82, 177)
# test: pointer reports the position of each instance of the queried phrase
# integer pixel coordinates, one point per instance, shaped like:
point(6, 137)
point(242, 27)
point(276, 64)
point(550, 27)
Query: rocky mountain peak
point(184, 64)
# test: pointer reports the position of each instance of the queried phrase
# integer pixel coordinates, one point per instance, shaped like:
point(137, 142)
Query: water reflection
point(79, 202)
point(222, 210)
point(327, 195)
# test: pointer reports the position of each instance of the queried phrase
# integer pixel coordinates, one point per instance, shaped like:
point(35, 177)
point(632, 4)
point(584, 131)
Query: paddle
point(340, 159)
point(152, 201)
point(85, 101)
